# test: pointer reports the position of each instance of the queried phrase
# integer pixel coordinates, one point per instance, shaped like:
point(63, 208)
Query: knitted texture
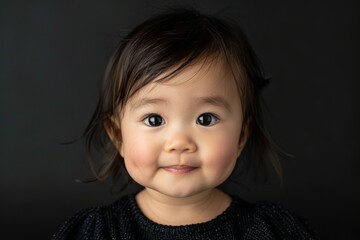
point(241, 220)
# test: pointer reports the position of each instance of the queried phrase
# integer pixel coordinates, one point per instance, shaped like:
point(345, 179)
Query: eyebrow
point(211, 100)
point(215, 101)
point(146, 101)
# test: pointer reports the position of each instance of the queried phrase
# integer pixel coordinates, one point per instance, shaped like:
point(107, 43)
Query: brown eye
point(154, 120)
point(207, 119)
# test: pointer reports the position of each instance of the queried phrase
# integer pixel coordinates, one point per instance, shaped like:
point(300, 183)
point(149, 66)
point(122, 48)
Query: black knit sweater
point(241, 220)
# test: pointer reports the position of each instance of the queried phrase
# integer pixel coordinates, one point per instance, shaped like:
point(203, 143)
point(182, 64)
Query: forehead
point(200, 80)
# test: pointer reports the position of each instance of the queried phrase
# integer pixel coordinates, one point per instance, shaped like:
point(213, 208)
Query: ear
point(244, 135)
point(113, 131)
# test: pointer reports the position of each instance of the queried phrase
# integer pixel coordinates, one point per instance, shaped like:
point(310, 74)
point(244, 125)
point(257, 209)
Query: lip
point(179, 169)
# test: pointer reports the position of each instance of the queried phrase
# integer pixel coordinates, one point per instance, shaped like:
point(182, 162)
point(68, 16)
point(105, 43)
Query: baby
point(178, 106)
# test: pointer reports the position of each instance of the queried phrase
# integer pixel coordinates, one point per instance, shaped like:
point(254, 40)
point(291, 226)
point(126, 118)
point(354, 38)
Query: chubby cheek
point(140, 158)
point(221, 157)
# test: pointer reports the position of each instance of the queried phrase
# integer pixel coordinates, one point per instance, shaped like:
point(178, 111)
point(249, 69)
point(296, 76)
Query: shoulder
point(278, 222)
point(85, 224)
point(92, 223)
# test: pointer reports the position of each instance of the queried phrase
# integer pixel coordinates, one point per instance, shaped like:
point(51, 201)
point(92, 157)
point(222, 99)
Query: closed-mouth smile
point(179, 169)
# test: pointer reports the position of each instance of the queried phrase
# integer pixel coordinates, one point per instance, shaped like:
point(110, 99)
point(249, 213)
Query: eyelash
point(160, 120)
point(213, 121)
point(147, 119)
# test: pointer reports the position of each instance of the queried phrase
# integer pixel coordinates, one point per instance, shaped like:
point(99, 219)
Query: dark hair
point(172, 41)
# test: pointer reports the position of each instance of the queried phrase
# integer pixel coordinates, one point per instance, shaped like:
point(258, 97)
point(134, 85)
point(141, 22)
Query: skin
point(181, 159)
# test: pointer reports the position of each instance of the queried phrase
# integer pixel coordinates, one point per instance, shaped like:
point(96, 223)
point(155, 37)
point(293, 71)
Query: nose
point(180, 142)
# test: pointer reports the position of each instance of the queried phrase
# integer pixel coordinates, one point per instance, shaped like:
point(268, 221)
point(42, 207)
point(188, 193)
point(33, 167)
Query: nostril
point(180, 145)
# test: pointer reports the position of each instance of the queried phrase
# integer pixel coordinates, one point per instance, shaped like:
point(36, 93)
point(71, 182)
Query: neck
point(199, 208)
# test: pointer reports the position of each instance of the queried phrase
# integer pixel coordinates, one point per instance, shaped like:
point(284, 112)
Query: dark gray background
point(52, 57)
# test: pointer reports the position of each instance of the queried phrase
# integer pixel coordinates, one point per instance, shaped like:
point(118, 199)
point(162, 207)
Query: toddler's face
point(182, 137)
